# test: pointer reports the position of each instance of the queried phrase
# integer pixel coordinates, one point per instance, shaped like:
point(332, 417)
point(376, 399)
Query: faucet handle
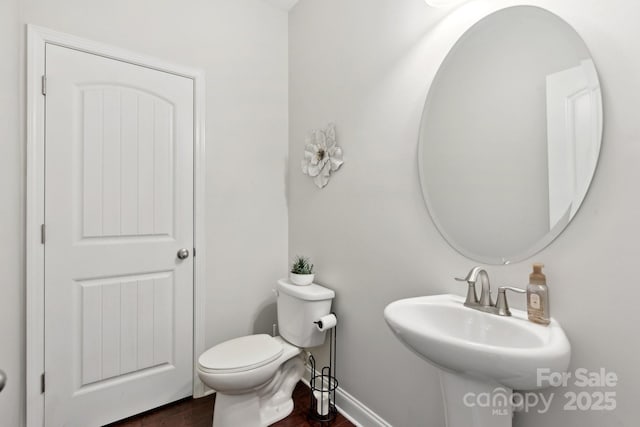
point(472, 297)
point(502, 307)
point(472, 275)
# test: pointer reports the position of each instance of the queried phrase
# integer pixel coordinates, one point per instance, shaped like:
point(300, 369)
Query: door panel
point(574, 130)
point(120, 332)
point(118, 207)
point(128, 178)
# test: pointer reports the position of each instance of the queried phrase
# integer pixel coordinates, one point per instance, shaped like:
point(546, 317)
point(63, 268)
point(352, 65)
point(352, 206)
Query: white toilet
point(254, 376)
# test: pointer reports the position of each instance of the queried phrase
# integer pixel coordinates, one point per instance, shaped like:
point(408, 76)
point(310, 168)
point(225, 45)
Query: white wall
point(242, 47)
point(12, 338)
point(367, 66)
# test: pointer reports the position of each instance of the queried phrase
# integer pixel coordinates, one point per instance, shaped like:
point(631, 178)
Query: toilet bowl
point(254, 376)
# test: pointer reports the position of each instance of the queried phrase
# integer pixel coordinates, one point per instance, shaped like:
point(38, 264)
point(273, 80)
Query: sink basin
point(503, 350)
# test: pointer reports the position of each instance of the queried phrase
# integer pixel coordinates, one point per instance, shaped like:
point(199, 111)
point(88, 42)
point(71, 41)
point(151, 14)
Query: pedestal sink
point(479, 354)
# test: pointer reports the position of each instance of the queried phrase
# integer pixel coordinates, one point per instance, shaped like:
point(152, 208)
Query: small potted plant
point(301, 271)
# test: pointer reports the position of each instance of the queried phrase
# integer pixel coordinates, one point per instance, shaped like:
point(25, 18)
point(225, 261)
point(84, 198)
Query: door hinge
point(44, 85)
point(42, 383)
point(43, 233)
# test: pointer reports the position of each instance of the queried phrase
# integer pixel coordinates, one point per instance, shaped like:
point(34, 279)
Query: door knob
point(3, 379)
point(183, 253)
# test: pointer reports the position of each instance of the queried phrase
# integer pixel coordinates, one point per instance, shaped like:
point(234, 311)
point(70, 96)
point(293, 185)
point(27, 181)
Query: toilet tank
point(298, 308)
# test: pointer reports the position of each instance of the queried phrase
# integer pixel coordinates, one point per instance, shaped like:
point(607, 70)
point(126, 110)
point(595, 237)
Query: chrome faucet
point(501, 307)
point(472, 297)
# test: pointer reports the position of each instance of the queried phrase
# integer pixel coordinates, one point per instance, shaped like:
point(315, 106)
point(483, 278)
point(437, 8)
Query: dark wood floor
point(199, 413)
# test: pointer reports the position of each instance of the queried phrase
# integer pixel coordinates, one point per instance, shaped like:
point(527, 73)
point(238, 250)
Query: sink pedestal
point(473, 403)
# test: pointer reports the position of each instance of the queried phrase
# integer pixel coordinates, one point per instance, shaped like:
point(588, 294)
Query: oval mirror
point(510, 135)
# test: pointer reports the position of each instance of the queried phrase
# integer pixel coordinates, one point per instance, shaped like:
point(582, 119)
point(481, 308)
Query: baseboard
point(352, 409)
point(207, 392)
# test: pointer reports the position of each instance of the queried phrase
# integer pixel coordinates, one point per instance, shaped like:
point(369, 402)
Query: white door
point(574, 130)
point(118, 208)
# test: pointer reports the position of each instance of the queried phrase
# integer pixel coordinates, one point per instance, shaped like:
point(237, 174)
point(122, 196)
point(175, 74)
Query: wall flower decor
point(322, 156)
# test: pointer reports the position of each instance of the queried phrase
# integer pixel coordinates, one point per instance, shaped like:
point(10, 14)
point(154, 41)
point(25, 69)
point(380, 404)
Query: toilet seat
point(240, 354)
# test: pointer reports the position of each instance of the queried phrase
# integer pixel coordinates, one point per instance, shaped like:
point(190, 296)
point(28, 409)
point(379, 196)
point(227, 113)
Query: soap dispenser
point(538, 296)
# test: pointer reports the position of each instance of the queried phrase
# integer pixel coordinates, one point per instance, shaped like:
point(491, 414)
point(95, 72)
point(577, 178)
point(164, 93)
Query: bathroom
point(274, 71)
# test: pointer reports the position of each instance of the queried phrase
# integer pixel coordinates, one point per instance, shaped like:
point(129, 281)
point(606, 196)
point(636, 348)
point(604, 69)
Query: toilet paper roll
point(322, 402)
point(326, 322)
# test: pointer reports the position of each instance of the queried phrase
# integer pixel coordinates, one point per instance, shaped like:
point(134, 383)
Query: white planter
point(301, 279)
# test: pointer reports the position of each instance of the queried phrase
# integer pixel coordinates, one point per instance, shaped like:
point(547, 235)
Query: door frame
point(37, 38)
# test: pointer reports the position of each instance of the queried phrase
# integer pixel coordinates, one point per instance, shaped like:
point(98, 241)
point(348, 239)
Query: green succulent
point(301, 265)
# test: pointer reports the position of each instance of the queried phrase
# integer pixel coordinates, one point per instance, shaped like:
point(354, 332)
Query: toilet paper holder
point(323, 383)
point(326, 322)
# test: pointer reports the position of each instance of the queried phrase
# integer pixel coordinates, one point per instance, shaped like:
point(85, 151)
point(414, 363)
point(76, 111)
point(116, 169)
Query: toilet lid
point(241, 354)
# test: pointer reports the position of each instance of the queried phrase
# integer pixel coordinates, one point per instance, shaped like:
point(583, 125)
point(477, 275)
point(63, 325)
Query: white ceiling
point(282, 4)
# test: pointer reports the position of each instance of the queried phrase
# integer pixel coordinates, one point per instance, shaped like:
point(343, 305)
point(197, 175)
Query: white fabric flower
point(322, 156)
